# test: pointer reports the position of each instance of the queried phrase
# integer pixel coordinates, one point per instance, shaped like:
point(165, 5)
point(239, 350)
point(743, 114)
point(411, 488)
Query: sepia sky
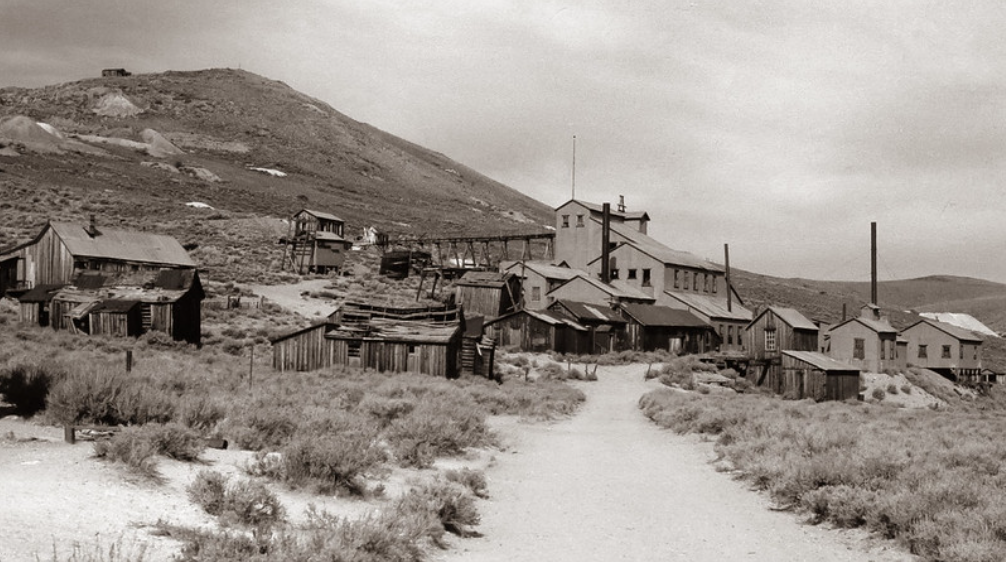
point(782, 127)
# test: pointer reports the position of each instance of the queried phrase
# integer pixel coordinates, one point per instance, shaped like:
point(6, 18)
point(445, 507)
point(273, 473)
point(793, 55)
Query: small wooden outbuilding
point(774, 330)
point(653, 327)
point(488, 293)
point(316, 242)
point(539, 331)
point(606, 326)
point(810, 374)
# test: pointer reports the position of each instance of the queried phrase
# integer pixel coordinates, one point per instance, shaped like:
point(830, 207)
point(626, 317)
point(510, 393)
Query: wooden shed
point(116, 317)
point(774, 330)
point(488, 293)
point(652, 327)
point(303, 350)
point(539, 331)
point(35, 304)
point(606, 326)
point(315, 242)
point(809, 374)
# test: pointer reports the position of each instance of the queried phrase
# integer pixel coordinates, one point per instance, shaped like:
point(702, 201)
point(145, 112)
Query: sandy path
point(609, 485)
point(290, 297)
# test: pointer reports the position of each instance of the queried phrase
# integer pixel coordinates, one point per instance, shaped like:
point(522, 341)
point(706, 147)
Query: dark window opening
point(646, 277)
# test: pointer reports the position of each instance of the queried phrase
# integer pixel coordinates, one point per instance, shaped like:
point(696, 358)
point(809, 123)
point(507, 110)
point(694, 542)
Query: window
point(677, 281)
point(353, 348)
point(579, 220)
point(716, 283)
point(770, 342)
point(730, 335)
point(632, 274)
point(695, 281)
point(685, 277)
point(565, 221)
point(923, 352)
point(883, 350)
point(535, 294)
point(962, 351)
point(705, 282)
point(858, 348)
point(646, 277)
point(614, 274)
point(946, 352)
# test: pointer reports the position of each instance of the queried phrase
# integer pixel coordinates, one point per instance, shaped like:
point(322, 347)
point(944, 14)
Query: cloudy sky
point(781, 128)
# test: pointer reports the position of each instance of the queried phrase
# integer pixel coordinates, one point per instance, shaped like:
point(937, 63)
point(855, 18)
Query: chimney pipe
point(621, 203)
point(92, 229)
point(873, 263)
point(605, 243)
point(730, 294)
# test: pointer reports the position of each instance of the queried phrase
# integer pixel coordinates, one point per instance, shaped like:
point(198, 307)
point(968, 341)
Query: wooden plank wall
point(304, 352)
point(45, 262)
point(119, 324)
point(484, 301)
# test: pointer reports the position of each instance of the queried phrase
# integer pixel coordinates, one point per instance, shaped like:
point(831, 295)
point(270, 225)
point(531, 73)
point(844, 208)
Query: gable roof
point(545, 270)
point(329, 236)
point(663, 316)
point(820, 360)
point(586, 311)
point(949, 329)
point(599, 209)
point(712, 307)
point(547, 316)
point(124, 245)
point(790, 316)
point(875, 325)
point(485, 279)
point(961, 320)
point(616, 290)
point(320, 215)
point(658, 251)
point(40, 293)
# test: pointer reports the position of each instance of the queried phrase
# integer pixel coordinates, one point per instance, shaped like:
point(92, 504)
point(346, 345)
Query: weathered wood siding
point(787, 338)
point(186, 319)
point(934, 339)
point(120, 324)
point(523, 332)
point(31, 313)
point(46, 261)
point(483, 301)
point(799, 380)
point(306, 351)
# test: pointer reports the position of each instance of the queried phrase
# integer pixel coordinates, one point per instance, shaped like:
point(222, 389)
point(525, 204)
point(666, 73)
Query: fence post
point(69, 434)
point(251, 366)
point(129, 360)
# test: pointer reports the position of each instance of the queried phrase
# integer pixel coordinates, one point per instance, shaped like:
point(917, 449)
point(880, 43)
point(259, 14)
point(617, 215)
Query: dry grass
point(931, 480)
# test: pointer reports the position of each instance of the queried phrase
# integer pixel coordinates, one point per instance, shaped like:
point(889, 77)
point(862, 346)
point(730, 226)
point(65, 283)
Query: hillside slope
point(229, 122)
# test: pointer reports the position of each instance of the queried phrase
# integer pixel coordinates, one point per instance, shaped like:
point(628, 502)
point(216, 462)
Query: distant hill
point(228, 122)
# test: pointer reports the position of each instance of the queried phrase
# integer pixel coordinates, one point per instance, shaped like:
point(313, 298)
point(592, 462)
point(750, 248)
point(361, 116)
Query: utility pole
point(574, 168)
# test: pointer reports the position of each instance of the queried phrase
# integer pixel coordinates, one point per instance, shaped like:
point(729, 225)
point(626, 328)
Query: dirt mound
point(158, 146)
point(24, 129)
point(115, 104)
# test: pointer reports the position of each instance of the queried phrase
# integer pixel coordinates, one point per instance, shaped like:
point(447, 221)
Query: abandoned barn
point(810, 374)
point(652, 327)
point(422, 340)
point(104, 281)
point(774, 330)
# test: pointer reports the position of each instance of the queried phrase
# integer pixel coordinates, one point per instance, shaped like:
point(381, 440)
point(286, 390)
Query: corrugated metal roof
point(320, 215)
point(663, 316)
point(713, 307)
point(662, 253)
point(820, 360)
point(587, 311)
point(793, 317)
point(125, 245)
point(954, 331)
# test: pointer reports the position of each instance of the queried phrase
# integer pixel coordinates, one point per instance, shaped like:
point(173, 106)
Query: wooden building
point(115, 72)
point(316, 243)
point(953, 352)
point(537, 280)
point(774, 330)
point(36, 303)
point(422, 340)
point(62, 250)
point(654, 327)
point(583, 288)
point(578, 230)
point(488, 293)
point(867, 342)
point(539, 331)
point(810, 374)
point(606, 326)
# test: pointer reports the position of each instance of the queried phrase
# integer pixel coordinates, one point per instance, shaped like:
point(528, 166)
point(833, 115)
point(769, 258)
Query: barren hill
point(273, 150)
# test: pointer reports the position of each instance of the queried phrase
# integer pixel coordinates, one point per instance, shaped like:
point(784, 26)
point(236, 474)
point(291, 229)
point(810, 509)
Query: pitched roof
point(555, 319)
point(614, 289)
point(790, 316)
point(658, 251)
point(320, 215)
point(586, 311)
point(325, 235)
point(820, 360)
point(485, 278)
point(655, 315)
point(125, 245)
point(595, 208)
point(546, 270)
point(878, 326)
point(961, 320)
point(712, 307)
point(386, 329)
point(115, 306)
point(40, 293)
point(949, 329)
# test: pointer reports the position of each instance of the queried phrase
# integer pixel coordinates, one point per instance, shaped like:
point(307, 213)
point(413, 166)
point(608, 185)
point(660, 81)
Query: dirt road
point(609, 485)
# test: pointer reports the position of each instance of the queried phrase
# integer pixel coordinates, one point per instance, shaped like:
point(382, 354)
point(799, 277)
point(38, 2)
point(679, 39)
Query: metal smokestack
point(605, 240)
point(873, 263)
point(730, 294)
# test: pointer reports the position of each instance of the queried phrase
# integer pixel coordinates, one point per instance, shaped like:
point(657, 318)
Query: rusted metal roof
point(663, 316)
point(820, 361)
point(712, 307)
point(124, 245)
